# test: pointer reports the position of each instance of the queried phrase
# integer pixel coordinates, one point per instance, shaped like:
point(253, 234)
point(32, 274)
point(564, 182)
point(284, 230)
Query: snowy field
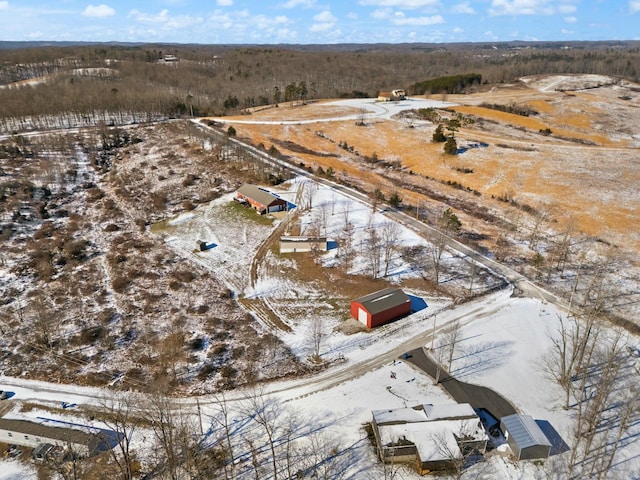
point(502, 345)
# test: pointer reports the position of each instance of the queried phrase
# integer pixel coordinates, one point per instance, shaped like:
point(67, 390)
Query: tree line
point(136, 85)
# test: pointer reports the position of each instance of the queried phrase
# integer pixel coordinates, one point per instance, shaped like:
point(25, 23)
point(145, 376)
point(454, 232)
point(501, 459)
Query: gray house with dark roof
point(381, 307)
point(524, 436)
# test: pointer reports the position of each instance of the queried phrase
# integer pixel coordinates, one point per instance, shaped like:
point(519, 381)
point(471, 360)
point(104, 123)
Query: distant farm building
point(381, 307)
point(430, 437)
point(291, 244)
point(392, 96)
point(260, 199)
point(525, 438)
point(31, 434)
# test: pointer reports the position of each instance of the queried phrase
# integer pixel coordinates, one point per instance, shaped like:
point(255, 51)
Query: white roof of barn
point(525, 431)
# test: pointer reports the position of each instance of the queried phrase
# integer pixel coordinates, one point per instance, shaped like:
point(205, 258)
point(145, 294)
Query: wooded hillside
point(116, 83)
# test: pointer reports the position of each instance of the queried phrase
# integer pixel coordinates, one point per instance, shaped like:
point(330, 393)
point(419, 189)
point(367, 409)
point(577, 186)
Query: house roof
point(524, 431)
point(431, 428)
point(293, 239)
point(60, 434)
point(425, 413)
point(398, 415)
point(258, 194)
point(451, 411)
point(435, 440)
point(382, 300)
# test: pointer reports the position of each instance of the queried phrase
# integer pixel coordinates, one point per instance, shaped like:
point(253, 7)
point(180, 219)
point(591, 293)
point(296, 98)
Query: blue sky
point(319, 21)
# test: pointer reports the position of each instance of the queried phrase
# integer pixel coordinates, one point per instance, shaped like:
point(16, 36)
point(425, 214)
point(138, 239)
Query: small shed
point(260, 199)
point(381, 307)
point(526, 439)
point(292, 244)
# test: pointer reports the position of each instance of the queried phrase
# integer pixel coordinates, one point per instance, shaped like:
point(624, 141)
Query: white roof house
point(430, 436)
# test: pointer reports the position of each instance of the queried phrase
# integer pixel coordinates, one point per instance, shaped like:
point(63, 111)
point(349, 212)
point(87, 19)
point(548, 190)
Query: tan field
point(587, 169)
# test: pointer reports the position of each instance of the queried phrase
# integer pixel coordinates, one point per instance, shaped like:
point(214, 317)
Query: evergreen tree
point(451, 146)
point(438, 135)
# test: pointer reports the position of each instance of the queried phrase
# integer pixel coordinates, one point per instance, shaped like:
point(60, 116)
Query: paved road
point(478, 397)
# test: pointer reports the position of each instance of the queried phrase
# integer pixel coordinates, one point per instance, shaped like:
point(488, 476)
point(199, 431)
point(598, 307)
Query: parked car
point(12, 451)
point(42, 451)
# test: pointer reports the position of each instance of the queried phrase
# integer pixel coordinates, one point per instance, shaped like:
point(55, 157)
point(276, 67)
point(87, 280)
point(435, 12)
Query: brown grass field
point(587, 170)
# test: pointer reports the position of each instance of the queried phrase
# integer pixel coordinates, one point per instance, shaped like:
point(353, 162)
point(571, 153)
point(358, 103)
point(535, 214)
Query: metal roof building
point(381, 307)
point(260, 199)
point(526, 439)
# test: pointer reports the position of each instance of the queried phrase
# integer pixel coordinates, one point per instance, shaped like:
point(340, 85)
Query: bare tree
point(373, 247)
point(223, 420)
point(267, 413)
point(122, 416)
point(450, 341)
point(436, 250)
point(390, 240)
point(346, 213)
point(315, 337)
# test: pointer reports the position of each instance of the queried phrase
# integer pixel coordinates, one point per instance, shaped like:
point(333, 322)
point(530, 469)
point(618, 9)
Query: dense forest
point(135, 83)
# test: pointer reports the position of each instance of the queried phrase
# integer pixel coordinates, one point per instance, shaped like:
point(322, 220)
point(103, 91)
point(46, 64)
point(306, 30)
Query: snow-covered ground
point(502, 345)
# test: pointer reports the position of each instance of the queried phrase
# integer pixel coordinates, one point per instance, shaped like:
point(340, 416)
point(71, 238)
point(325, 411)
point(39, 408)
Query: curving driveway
point(461, 392)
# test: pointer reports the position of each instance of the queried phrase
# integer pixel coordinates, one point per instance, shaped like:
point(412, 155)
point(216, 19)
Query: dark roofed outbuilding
point(381, 307)
point(260, 199)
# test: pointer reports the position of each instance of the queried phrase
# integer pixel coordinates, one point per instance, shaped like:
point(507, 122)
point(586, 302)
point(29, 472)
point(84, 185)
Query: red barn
point(260, 199)
point(381, 307)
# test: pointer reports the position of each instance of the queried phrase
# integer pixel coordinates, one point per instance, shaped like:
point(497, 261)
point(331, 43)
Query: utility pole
point(433, 333)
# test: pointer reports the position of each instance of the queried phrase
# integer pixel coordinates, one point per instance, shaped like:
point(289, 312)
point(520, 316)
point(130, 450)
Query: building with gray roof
point(525, 438)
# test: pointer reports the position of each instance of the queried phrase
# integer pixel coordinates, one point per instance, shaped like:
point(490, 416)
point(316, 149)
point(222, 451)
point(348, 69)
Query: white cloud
point(567, 32)
point(521, 7)
point(324, 16)
point(326, 21)
point(463, 8)
point(98, 11)
point(634, 6)
point(381, 14)
point(352, 16)
point(224, 3)
point(567, 8)
point(418, 21)
point(407, 4)
point(4, 5)
point(570, 19)
point(161, 17)
point(458, 30)
point(166, 21)
point(299, 3)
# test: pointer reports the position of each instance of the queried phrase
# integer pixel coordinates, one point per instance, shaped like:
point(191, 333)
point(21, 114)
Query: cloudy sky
point(319, 21)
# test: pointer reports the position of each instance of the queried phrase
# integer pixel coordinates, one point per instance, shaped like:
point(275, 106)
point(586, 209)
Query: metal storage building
point(381, 307)
point(526, 439)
